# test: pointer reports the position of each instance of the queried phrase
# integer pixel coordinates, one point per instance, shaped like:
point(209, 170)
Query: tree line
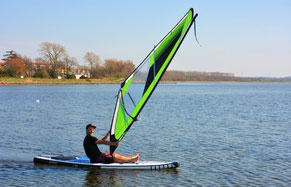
point(54, 62)
point(198, 76)
point(216, 76)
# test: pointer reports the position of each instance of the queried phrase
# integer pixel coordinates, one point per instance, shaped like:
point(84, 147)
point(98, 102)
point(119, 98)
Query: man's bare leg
point(123, 159)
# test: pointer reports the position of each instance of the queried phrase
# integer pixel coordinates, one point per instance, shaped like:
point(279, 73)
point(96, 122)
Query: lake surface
point(223, 134)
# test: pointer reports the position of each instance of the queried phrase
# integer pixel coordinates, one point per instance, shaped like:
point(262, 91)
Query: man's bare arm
point(106, 136)
point(105, 142)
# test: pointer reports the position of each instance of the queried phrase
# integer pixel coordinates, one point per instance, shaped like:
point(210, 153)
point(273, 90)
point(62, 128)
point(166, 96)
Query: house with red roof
point(2, 64)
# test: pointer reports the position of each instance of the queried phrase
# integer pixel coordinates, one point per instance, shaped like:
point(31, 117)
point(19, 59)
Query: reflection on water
point(96, 176)
point(112, 177)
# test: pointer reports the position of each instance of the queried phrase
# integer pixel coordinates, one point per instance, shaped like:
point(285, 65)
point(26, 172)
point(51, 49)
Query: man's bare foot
point(135, 158)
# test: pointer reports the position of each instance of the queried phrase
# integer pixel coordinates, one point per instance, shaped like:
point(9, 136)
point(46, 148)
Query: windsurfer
point(92, 151)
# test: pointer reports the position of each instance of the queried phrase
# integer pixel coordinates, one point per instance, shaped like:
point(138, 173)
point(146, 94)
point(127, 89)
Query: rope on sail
point(195, 32)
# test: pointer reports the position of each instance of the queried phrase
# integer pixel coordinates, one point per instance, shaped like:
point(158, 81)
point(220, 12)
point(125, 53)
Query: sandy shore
point(4, 81)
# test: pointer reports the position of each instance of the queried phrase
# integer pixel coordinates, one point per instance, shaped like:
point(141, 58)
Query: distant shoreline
point(6, 81)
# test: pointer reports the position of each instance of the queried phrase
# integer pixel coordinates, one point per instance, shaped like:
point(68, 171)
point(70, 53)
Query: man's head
point(90, 129)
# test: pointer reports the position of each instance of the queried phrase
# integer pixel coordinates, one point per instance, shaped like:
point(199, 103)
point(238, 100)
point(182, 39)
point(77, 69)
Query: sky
point(249, 38)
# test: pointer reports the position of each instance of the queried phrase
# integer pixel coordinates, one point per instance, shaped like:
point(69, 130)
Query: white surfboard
point(85, 162)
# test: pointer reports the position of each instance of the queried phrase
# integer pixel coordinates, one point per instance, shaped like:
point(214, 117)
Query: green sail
point(138, 87)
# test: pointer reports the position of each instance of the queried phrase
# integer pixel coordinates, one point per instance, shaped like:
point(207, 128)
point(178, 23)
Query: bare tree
point(94, 63)
point(53, 53)
point(69, 63)
point(92, 59)
point(40, 60)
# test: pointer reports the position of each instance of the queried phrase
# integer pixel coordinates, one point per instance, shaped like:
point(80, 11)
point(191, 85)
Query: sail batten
point(140, 84)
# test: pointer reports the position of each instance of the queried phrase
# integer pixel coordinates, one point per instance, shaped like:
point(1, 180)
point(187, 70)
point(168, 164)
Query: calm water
point(222, 134)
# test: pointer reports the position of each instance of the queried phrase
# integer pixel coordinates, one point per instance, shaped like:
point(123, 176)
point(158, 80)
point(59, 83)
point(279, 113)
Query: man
point(92, 151)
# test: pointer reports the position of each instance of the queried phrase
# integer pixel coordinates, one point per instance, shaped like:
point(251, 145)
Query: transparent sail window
point(136, 88)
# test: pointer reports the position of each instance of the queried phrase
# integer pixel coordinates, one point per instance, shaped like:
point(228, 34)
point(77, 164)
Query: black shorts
point(104, 157)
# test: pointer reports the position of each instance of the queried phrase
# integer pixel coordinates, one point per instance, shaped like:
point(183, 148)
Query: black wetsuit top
point(91, 149)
